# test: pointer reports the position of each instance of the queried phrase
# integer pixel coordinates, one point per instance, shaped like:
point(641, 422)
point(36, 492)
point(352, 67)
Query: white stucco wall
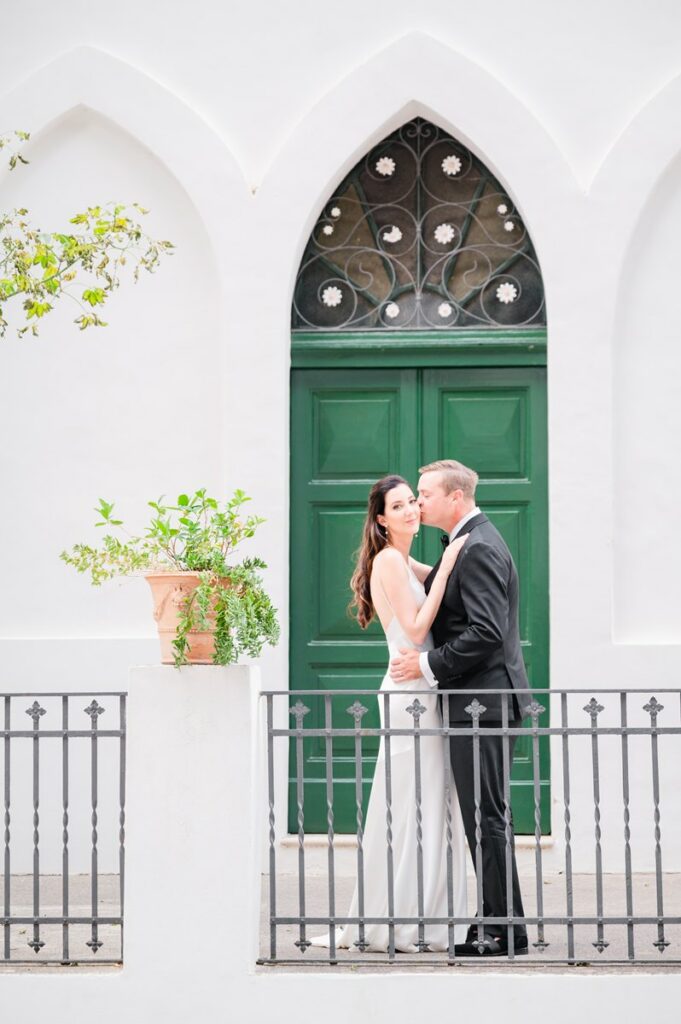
point(233, 123)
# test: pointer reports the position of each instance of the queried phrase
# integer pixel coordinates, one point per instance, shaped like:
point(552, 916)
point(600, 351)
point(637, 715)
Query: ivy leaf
point(37, 309)
point(95, 296)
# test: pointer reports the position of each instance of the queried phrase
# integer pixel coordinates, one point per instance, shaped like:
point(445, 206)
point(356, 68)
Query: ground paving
point(80, 905)
point(553, 893)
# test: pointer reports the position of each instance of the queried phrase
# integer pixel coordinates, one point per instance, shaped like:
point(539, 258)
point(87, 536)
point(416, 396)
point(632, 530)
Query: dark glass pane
point(419, 235)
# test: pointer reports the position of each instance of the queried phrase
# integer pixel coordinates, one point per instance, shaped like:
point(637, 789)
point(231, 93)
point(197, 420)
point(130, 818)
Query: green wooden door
point(495, 421)
point(348, 428)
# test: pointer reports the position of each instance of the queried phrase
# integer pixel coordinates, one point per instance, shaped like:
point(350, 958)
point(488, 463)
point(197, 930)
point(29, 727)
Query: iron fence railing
point(65, 756)
point(605, 898)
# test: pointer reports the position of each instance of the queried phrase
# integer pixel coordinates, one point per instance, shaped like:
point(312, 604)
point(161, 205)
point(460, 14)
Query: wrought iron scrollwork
point(419, 236)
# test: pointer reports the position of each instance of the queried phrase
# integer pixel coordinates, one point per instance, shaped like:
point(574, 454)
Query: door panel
point(354, 435)
point(490, 429)
point(334, 533)
point(349, 428)
point(514, 524)
point(495, 421)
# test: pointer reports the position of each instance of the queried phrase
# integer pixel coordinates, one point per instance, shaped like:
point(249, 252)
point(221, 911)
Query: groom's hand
point(405, 668)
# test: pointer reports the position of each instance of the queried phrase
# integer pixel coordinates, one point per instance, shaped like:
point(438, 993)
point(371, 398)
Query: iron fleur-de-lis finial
point(299, 710)
point(358, 711)
point(94, 710)
point(475, 709)
point(653, 707)
point(416, 709)
point(593, 708)
point(35, 711)
point(535, 709)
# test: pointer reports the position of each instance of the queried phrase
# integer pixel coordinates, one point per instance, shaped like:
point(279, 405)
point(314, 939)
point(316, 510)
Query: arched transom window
point(418, 236)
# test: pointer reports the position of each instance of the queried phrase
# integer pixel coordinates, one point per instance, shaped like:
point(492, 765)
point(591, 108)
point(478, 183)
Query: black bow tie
point(444, 540)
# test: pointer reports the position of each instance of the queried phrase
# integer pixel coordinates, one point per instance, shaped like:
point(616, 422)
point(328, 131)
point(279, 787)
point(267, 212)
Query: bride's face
point(401, 516)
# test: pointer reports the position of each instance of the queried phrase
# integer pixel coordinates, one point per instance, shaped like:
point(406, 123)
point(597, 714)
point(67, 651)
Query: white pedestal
point(192, 879)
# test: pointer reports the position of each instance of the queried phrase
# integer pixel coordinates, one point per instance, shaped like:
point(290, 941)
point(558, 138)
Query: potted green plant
point(208, 608)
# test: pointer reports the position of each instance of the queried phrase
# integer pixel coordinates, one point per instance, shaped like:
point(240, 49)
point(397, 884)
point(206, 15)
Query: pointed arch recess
point(477, 108)
point(151, 113)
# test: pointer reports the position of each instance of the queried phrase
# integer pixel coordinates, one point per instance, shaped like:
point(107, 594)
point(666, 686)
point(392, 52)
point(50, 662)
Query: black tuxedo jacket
point(477, 642)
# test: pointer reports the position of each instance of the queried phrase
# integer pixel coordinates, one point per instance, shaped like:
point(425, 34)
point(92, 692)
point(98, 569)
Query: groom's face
point(437, 507)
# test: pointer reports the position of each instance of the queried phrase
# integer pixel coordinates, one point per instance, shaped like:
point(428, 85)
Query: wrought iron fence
point(605, 897)
point(62, 757)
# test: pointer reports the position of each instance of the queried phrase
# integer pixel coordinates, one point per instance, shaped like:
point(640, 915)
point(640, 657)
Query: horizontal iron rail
point(60, 734)
point(60, 920)
point(62, 963)
point(63, 693)
point(529, 919)
point(491, 730)
point(465, 690)
point(478, 963)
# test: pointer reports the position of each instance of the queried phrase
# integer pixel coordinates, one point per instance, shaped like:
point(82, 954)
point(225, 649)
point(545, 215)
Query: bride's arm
point(415, 621)
point(420, 569)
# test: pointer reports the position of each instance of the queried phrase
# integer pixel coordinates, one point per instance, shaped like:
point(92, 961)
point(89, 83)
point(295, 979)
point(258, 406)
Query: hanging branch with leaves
point(42, 267)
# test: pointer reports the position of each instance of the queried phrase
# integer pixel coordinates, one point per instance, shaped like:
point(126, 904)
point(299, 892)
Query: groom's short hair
point(455, 476)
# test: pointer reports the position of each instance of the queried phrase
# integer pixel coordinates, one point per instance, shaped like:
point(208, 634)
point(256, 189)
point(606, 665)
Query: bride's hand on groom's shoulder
point(405, 668)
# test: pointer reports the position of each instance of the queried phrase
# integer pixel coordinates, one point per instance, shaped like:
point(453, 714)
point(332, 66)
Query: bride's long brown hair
point(374, 539)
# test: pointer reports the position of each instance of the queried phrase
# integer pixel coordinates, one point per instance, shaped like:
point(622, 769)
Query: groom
point(477, 648)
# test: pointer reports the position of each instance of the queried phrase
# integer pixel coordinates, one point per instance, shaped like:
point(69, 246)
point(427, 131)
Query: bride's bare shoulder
point(389, 568)
point(388, 558)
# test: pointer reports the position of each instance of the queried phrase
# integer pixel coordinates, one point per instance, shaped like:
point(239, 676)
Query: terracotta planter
point(169, 589)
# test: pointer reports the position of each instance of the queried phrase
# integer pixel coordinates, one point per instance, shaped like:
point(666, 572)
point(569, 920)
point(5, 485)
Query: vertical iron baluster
point(328, 726)
point(7, 902)
point(121, 814)
point(272, 832)
point(358, 711)
point(653, 708)
point(593, 709)
point(389, 826)
point(36, 712)
point(627, 830)
point(475, 709)
point(535, 709)
point(569, 894)
point(65, 826)
point(448, 830)
point(508, 821)
point(94, 710)
point(299, 711)
point(416, 709)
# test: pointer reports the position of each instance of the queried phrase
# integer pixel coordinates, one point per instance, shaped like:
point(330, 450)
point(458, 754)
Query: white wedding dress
point(433, 751)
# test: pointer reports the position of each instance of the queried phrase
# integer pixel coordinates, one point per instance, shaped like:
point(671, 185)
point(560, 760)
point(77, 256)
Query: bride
point(388, 583)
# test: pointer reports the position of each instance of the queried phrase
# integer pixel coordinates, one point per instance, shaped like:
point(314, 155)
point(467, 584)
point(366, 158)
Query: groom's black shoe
point(493, 945)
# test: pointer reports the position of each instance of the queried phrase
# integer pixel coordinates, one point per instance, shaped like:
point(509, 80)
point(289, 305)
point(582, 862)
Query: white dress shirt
point(426, 670)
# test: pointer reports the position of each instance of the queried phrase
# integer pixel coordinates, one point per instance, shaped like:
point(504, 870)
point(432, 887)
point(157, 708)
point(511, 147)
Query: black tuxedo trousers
point(492, 824)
